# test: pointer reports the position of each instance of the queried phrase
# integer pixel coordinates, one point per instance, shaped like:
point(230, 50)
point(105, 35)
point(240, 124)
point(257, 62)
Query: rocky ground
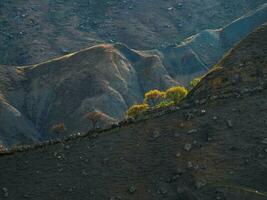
point(31, 32)
point(212, 147)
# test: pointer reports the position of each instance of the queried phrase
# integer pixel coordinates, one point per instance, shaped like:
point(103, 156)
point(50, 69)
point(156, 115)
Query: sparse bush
point(94, 118)
point(58, 128)
point(194, 82)
point(137, 109)
point(165, 103)
point(154, 97)
point(176, 94)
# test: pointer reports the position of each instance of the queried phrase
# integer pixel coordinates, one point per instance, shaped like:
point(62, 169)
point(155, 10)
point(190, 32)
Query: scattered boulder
point(200, 184)
point(190, 165)
point(229, 123)
point(187, 147)
point(5, 192)
point(156, 134)
point(192, 131)
point(264, 141)
point(162, 191)
point(132, 189)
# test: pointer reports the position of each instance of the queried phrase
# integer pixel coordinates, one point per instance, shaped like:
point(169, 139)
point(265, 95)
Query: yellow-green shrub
point(137, 109)
point(164, 104)
point(176, 94)
point(154, 97)
point(194, 82)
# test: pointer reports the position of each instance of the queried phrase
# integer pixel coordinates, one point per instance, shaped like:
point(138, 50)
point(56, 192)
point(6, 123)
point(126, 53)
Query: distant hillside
point(212, 147)
point(195, 55)
point(35, 31)
point(101, 78)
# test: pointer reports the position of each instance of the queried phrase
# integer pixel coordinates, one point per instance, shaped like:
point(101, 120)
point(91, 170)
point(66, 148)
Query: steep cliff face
point(32, 32)
point(213, 147)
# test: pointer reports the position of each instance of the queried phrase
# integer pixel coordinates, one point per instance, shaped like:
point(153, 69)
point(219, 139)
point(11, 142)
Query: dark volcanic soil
point(226, 159)
point(213, 148)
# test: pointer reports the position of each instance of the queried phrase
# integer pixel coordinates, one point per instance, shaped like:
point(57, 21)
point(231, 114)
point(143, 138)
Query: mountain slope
point(212, 149)
point(106, 78)
point(32, 32)
point(100, 78)
point(197, 54)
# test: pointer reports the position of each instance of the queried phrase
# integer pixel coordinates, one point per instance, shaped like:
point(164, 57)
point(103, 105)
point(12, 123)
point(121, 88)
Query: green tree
point(194, 82)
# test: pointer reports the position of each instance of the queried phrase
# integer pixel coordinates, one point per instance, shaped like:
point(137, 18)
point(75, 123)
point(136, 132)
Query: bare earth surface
point(214, 147)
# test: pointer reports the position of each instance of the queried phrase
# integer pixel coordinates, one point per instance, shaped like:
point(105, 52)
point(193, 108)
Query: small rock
point(187, 147)
point(190, 165)
point(174, 178)
point(162, 191)
point(132, 190)
point(65, 50)
point(84, 173)
point(192, 131)
point(178, 155)
point(215, 118)
point(202, 112)
point(189, 116)
point(200, 184)
point(229, 123)
point(156, 134)
point(5, 191)
point(264, 141)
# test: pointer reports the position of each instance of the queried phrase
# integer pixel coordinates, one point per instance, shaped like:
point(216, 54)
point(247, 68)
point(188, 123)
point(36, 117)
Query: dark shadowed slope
point(212, 148)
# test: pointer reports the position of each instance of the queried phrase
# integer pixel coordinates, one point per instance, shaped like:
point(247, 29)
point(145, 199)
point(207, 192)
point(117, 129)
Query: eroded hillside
point(212, 147)
point(31, 31)
point(106, 78)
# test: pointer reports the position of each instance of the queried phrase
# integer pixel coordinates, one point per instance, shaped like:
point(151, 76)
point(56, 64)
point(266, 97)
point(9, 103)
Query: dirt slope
point(214, 147)
point(31, 31)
